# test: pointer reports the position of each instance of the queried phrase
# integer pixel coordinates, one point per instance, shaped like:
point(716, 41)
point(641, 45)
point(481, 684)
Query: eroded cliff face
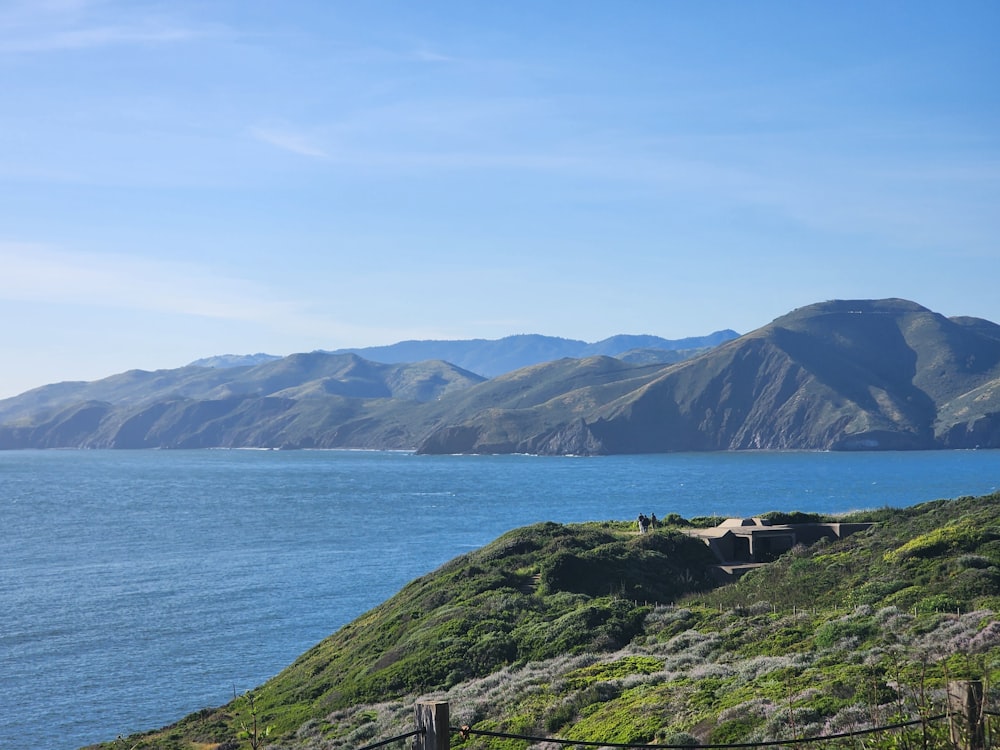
point(572, 439)
point(456, 439)
point(978, 432)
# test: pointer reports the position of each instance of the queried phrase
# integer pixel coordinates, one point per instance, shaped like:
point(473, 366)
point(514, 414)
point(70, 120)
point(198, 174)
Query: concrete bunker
point(740, 544)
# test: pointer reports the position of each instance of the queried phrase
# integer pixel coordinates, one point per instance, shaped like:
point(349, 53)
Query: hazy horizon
point(185, 180)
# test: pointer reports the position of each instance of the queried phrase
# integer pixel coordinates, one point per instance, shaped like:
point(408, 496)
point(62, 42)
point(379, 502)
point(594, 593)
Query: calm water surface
point(136, 587)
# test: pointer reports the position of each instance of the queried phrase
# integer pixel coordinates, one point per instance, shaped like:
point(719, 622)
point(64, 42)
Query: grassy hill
point(595, 633)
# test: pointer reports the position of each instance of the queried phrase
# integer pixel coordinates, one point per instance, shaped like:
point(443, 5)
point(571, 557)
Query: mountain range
point(837, 375)
point(492, 357)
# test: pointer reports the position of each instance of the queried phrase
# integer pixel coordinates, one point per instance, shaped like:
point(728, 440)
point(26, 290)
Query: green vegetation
point(594, 633)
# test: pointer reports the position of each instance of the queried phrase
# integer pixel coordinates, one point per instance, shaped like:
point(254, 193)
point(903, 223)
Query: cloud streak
point(287, 140)
point(40, 274)
point(842, 194)
point(100, 36)
point(37, 28)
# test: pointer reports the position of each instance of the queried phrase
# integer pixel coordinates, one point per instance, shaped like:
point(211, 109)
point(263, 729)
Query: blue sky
point(181, 179)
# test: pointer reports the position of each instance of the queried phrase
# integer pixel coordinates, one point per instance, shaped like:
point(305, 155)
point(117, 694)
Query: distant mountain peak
point(234, 360)
point(492, 357)
point(888, 306)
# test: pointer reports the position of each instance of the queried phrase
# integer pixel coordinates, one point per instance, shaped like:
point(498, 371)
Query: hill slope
point(842, 375)
point(302, 400)
point(595, 633)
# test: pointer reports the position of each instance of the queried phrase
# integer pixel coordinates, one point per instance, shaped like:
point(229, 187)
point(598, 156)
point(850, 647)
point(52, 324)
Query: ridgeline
point(839, 375)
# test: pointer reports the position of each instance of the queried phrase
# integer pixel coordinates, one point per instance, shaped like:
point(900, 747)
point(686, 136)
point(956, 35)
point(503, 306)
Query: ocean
point(139, 586)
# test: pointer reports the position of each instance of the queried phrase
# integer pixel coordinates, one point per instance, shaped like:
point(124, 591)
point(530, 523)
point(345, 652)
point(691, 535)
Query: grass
point(595, 633)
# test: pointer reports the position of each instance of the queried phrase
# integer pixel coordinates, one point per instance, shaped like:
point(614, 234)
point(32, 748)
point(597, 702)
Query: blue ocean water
point(136, 587)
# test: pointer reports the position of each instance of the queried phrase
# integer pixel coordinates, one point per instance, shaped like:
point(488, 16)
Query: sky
point(189, 178)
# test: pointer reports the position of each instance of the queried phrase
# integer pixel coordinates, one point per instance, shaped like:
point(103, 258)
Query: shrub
point(973, 561)
point(735, 730)
point(963, 535)
point(681, 739)
point(938, 603)
point(675, 519)
point(780, 518)
point(830, 633)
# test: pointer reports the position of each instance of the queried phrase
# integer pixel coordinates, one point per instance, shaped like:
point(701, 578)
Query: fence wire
point(397, 738)
point(467, 731)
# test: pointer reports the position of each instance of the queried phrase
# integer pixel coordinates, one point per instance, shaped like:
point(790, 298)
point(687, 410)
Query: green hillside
point(593, 632)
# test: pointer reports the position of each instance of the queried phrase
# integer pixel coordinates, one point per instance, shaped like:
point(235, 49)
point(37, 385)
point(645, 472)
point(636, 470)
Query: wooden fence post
point(965, 706)
point(432, 717)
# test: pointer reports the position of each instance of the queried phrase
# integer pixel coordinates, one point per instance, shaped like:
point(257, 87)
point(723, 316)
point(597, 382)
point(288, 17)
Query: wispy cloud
point(424, 54)
point(288, 140)
point(42, 274)
point(838, 193)
point(205, 308)
point(74, 25)
point(97, 36)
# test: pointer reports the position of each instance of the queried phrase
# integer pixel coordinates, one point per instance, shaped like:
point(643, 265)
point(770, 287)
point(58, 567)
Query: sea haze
point(139, 586)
